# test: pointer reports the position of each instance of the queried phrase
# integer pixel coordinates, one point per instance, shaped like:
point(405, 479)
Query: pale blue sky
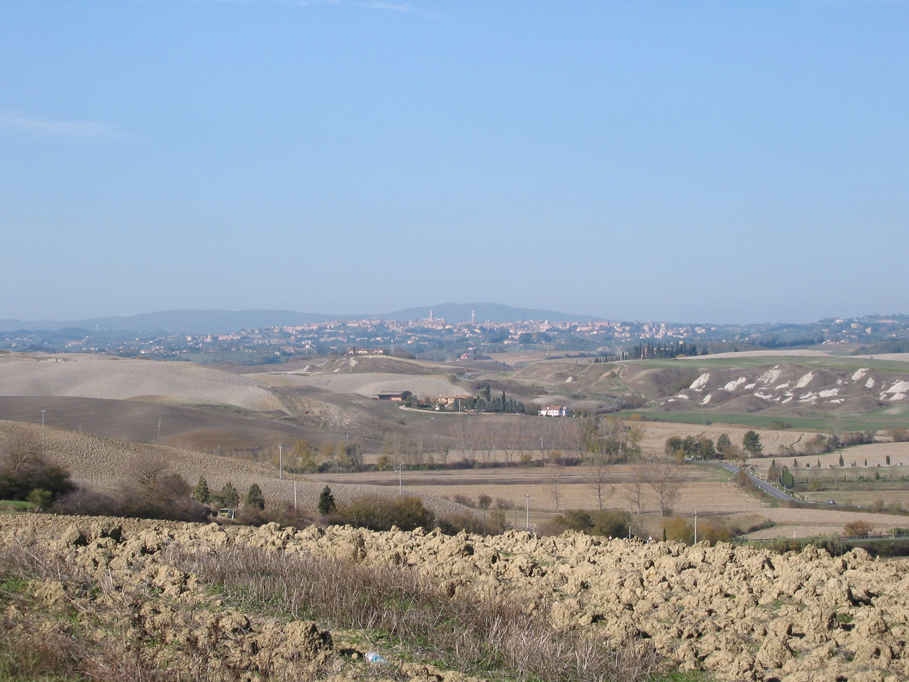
point(688, 161)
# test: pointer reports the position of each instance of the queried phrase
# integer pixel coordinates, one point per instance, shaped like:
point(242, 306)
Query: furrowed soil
point(737, 613)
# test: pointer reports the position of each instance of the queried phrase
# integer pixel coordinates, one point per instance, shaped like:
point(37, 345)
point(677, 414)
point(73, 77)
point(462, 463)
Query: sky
point(730, 162)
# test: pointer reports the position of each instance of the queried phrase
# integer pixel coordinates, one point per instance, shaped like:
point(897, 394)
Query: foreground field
point(142, 593)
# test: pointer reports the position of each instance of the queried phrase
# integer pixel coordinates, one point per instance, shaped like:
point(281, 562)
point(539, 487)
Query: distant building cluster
point(435, 339)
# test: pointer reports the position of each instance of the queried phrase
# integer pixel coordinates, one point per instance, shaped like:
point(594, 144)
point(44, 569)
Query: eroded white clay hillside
point(792, 387)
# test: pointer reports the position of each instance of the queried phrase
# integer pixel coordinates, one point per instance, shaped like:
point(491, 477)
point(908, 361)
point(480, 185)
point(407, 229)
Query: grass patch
point(736, 361)
point(689, 676)
point(16, 506)
point(859, 423)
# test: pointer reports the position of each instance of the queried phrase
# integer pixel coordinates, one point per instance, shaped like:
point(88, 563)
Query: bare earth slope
point(738, 613)
point(137, 420)
point(101, 376)
point(368, 384)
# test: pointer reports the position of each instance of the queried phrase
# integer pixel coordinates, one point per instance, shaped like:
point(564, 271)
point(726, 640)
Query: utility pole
point(42, 432)
point(158, 440)
point(280, 460)
point(400, 480)
point(695, 526)
point(295, 494)
point(527, 498)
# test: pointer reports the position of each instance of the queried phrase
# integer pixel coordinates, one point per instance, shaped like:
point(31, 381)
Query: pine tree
point(254, 497)
point(326, 501)
point(201, 493)
point(751, 441)
point(229, 496)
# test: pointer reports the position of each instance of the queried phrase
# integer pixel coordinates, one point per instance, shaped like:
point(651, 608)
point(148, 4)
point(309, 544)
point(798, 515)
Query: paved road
point(763, 485)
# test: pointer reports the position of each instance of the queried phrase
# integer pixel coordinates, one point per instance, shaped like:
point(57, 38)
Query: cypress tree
point(254, 497)
point(326, 501)
point(229, 495)
point(201, 493)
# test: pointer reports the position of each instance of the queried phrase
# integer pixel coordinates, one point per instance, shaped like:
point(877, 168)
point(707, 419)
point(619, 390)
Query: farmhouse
point(394, 396)
point(554, 411)
point(366, 351)
point(449, 400)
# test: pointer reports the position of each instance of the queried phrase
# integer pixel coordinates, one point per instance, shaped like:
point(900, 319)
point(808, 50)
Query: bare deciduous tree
point(601, 464)
point(634, 488)
point(663, 477)
point(555, 487)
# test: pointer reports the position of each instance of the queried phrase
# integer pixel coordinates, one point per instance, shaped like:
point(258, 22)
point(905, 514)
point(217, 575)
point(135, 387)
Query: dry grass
point(61, 621)
point(475, 633)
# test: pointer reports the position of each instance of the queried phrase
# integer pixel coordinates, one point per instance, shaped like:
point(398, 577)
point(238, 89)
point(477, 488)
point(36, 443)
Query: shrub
point(678, 530)
point(857, 529)
point(492, 523)
point(605, 522)
point(284, 515)
point(377, 512)
point(23, 468)
point(40, 499)
point(151, 491)
point(899, 435)
point(714, 531)
point(84, 502)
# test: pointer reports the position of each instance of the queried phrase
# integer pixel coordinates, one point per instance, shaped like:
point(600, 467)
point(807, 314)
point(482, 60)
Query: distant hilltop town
point(435, 339)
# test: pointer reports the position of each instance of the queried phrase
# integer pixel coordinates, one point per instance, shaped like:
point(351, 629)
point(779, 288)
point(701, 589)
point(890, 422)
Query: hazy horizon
point(703, 161)
point(439, 312)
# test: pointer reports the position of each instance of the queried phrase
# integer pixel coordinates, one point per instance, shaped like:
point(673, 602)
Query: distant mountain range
point(226, 321)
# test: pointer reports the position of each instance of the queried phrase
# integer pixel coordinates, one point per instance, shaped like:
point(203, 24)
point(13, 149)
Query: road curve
point(763, 485)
